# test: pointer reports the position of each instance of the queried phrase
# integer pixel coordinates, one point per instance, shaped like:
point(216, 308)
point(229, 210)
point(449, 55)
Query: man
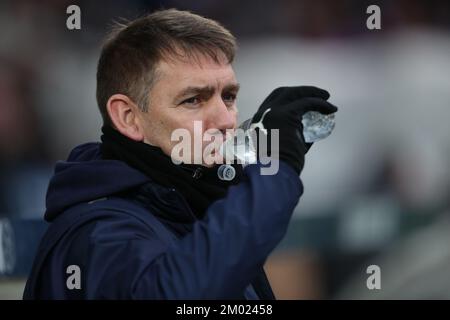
point(128, 221)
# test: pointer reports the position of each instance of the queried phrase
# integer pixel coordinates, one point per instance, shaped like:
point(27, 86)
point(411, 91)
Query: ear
point(123, 113)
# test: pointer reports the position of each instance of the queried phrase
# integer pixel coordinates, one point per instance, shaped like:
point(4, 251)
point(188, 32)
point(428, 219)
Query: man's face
point(189, 91)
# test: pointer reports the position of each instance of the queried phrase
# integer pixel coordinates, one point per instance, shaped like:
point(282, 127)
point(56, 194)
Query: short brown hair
point(131, 52)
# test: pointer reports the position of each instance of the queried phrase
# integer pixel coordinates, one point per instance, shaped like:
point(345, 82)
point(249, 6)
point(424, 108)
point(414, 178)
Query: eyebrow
point(205, 90)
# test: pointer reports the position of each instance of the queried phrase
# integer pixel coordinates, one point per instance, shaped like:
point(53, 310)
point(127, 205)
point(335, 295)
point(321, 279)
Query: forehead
point(200, 71)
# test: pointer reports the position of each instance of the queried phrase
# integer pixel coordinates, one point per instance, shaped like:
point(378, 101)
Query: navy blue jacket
point(134, 239)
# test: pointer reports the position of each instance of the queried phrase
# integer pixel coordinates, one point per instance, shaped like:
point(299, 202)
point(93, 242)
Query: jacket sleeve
point(217, 260)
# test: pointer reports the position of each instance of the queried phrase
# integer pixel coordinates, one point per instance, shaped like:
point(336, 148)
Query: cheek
point(156, 129)
point(179, 123)
point(171, 124)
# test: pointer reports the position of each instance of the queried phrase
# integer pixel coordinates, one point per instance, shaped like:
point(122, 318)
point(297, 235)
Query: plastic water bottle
point(317, 126)
point(242, 148)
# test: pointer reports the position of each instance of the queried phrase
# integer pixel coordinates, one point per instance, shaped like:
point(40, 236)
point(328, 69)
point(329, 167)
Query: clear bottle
point(317, 126)
point(242, 148)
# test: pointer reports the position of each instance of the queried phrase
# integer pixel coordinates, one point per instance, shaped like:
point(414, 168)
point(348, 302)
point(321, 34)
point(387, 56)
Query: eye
point(229, 98)
point(191, 101)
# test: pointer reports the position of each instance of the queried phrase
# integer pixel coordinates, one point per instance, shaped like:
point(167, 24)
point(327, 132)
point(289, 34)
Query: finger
point(275, 94)
point(289, 94)
point(294, 93)
point(313, 104)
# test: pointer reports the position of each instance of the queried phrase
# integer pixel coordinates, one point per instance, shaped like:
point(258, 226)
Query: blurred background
point(377, 191)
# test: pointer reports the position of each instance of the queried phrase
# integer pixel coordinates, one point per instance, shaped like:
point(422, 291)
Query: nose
point(220, 116)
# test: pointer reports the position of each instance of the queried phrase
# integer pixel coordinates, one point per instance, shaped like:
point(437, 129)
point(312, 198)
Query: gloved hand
point(287, 106)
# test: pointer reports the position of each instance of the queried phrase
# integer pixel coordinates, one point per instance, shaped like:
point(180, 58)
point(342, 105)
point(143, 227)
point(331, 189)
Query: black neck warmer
point(199, 185)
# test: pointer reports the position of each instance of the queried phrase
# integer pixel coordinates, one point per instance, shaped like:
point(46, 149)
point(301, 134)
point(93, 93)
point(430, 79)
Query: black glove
point(288, 104)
